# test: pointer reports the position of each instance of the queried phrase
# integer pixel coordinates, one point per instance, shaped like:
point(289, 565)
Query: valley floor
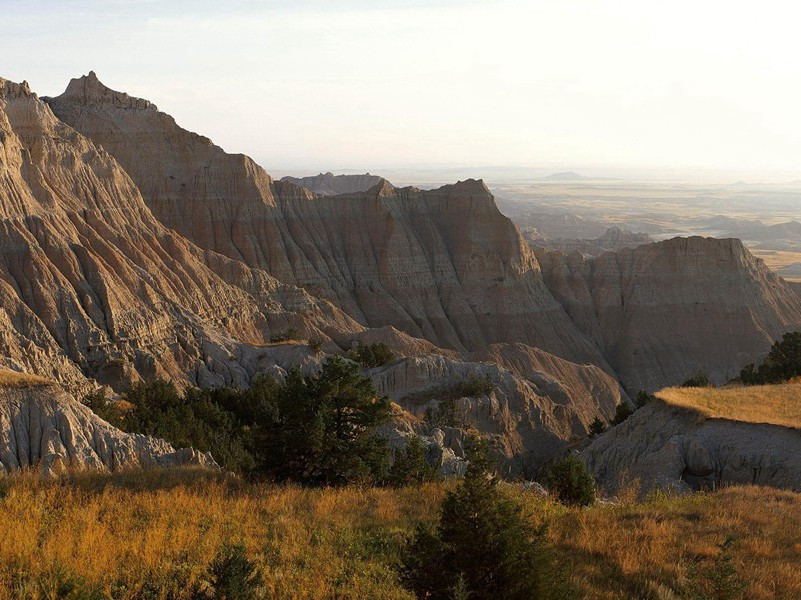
point(155, 535)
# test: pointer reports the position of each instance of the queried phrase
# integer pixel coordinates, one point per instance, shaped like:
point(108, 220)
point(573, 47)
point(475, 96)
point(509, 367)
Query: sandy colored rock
point(328, 184)
point(662, 311)
point(41, 427)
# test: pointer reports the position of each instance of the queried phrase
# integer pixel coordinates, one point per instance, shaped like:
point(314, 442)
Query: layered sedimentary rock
point(535, 408)
point(328, 184)
point(444, 265)
point(93, 286)
point(671, 448)
point(41, 427)
point(661, 312)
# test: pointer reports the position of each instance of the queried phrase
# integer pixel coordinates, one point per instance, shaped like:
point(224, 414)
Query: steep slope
point(661, 312)
point(40, 426)
point(444, 265)
point(92, 284)
point(669, 447)
point(328, 184)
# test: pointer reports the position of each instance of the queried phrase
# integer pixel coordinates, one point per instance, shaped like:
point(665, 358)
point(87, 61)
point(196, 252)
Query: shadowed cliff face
point(661, 312)
point(444, 264)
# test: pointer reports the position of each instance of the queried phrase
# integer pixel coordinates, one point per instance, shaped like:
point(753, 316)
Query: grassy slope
point(774, 404)
point(121, 534)
point(12, 379)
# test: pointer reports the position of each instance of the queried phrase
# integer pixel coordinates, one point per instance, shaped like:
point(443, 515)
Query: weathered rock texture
point(41, 427)
point(661, 312)
point(530, 413)
point(666, 447)
point(444, 265)
point(328, 184)
point(94, 286)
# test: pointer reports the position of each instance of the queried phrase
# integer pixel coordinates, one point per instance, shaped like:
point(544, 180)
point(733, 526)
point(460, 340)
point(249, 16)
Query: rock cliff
point(672, 448)
point(328, 184)
point(661, 312)
point(444, 265)
point(41, 427)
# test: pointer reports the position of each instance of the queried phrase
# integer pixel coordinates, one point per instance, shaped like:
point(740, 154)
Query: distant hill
point(564, 176)
point(329, 184)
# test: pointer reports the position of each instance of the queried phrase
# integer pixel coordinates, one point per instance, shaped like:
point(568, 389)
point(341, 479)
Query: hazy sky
point(366, 84)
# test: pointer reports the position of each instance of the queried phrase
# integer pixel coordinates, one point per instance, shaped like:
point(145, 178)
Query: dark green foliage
point(698, 380)
point(597, 427)
point(483, 547)
point(371, 356)
point(311, 429)
point(623, 412)
point(642, 398)
point(284, 336)
point(233, 575)
point(410, 465)
point(719, 580)
point(447, 414)
point(782, 363)
point(570, 482)
point(104, 408)
point(315, 345)
point(323, 432)
point(196, 418)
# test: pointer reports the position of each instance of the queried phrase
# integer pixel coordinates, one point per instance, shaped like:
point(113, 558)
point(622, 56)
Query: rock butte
point(134, 249)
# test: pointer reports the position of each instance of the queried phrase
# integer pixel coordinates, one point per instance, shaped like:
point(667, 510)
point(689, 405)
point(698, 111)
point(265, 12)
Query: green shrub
point(104, 408)
point(447, 414)
point(315, 345)
point(570, 482)
point(698, 380)
point(623, 412)
point(642, 398)
point(371, 356)
point(483, 547)
point(782, 363)
point(284, 336)
point(410, 465)
point(323, 428)
point(719, 580)
point(233, 575)
point(597, 427)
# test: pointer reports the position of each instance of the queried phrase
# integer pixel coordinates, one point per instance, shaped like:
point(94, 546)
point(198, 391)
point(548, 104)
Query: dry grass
point(773, 404)
point(13, 379)
point(154, 535)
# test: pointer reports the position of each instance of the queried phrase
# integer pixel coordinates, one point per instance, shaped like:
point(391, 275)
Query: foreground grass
point(773, 404)
point(154, 535)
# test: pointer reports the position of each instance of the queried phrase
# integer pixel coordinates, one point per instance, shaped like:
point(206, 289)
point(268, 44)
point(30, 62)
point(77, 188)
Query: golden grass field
point(153, 535)
point(12, 379)
point(772, 404)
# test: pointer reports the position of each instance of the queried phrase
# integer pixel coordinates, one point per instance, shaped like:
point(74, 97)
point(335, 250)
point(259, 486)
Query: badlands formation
point(134, 250)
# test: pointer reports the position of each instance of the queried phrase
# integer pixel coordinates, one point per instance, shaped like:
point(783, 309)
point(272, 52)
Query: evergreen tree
point(597, 427)
point(411, 466)
point(570, 482)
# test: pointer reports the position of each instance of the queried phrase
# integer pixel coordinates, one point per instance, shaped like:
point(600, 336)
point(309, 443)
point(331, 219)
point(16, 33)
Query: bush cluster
point(782, 363)
point(314, 429)
point(371, 356)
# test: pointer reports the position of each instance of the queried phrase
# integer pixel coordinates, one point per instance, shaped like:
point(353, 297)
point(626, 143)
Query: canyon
point(135, 250)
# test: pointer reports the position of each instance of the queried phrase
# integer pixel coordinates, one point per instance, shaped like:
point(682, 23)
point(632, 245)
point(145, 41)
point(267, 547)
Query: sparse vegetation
point(104, 408)
point(285, 336)
point(570, 482)
point(699, 380)
point(642, 398)
point(597, 427)
point(315, 345)
point(622, 412)
point(14, 379)
point(372, 356)
point(782, 363)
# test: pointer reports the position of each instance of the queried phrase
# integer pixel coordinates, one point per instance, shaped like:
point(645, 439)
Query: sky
point(563, 84)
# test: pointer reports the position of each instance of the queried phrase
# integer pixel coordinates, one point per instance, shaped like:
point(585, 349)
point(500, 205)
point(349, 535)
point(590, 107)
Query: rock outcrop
point(444, 265)
point(328, 184)
point(41, 427)
point(530, 414)
point(93, 286)
point(661, 312)
point(673, 448)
